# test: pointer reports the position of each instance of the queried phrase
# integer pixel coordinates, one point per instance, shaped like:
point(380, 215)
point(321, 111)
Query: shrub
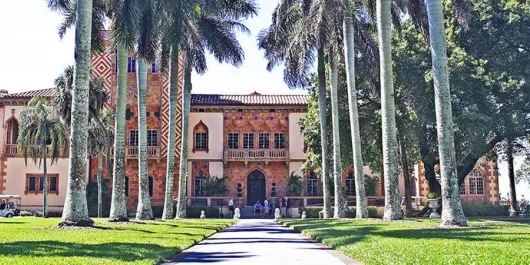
point(214, 186)
point(295, 185)
point(373, 212)
point(432, 195)
point(485, 210)
point(195, 211)
point(370, 185)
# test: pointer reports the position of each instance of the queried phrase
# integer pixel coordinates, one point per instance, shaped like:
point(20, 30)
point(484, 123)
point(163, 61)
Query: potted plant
point(433, 203)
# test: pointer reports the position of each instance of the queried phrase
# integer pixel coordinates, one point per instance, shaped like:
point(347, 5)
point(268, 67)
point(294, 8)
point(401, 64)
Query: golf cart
point(10, 205)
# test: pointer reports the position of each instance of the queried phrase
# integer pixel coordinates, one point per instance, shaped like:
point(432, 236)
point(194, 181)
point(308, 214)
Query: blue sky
point(32, 56)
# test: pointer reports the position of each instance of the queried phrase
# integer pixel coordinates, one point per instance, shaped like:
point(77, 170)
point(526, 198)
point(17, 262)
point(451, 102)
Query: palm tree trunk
point(170, 173)
point(349, 53)
point(452, 212)
point(511, 174)
point(143, 210)
point(406, 174)
point(323, 131)
point(390, 172)
point(337, 166)
point(183, 173)
point(108, 162)
point(45, 188)
point(100, 189)
point(118, 207)
point(75, 210)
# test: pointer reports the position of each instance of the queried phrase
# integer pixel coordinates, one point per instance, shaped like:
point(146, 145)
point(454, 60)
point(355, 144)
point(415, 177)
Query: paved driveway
point(255, 242)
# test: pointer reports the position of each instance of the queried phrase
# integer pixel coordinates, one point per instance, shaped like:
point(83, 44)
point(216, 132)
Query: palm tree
point(100, 132)
point(75, 210)
point(125, 22)
point(390, 172)
point(452, 212)
point(100, 138)
point(42, 134)
point(212, 28)
point(349, 54)
point(288, 40)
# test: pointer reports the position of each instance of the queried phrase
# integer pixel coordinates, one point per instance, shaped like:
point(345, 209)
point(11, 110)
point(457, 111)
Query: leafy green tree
point(41, 135)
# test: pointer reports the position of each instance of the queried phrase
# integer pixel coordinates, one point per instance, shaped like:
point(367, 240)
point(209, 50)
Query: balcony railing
point(133, 151)
point(11, 150)
point(247, 155)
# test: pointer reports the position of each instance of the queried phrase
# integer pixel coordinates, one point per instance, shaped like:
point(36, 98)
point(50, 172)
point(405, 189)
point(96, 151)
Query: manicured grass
point(379, 242)
point(31, 240)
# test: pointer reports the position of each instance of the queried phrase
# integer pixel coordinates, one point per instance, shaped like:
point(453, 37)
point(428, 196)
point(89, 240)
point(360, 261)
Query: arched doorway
point(255, 187)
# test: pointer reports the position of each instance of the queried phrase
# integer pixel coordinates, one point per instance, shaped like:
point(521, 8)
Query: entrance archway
point(255, 187)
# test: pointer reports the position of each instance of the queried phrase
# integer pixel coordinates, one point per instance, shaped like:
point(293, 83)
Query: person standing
point(287, 207)
point(231, 207)
point(266, 207)
point(283, 206)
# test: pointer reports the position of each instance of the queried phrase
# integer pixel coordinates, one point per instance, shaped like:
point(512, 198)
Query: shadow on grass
point(211, 257)
point(126, 252)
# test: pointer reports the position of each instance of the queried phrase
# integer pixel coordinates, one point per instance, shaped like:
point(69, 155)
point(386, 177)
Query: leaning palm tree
point(349, 54)
point(75, 210)
point(390, 172)
point(211, 28)
point(42, 134)
point(452, 212)
point(100, 138)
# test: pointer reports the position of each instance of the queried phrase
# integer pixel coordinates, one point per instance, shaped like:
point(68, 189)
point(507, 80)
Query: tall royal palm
point(42, 134)
point(75, 211)
point(349, 55)
point(452, 213)
point(211, 28)
point(390, 170)
point(125, 17)
point(289, 39)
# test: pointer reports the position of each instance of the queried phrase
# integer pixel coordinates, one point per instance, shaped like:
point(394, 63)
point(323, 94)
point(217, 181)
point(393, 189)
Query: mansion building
point(254, 140)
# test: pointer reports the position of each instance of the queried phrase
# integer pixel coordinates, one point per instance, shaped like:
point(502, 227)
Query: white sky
point(32, 56)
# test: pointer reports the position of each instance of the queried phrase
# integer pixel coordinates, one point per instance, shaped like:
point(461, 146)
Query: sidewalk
point(255, 242)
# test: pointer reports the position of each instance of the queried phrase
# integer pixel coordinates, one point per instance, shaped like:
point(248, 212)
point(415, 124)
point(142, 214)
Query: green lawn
point(38, 241)
point(379, 242)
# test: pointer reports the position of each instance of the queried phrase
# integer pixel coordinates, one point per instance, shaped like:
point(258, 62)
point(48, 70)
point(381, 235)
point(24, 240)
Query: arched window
point(198, 182)
point(151, 184)
point(12, 131)
point(312, 185)
point(200, 137)
point(476, 183)
point(350, 185)
point(126, 186)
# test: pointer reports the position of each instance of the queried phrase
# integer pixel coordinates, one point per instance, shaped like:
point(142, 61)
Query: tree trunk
point(390, 172)
point(406, 174)
point(118, 207)
point(337, 163)
point(108, 162)
point(452, 212)
point(143, 210)
point(45, 188)
point(323, 132)
point(183, 173)
point(511, 174)
point(349, 53)
point(75, 210)
point(100, 189)
point(170, 171)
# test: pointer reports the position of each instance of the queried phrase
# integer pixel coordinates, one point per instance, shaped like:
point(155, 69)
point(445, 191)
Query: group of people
point(4, 205)
point(264, 210)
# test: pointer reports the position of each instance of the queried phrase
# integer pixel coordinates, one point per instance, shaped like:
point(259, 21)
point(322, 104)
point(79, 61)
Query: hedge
point(312, 212)
point(485, 210)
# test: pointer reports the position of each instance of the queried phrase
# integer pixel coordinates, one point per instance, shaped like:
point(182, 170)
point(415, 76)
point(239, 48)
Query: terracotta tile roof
point(254, 99)
point(45, 93)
